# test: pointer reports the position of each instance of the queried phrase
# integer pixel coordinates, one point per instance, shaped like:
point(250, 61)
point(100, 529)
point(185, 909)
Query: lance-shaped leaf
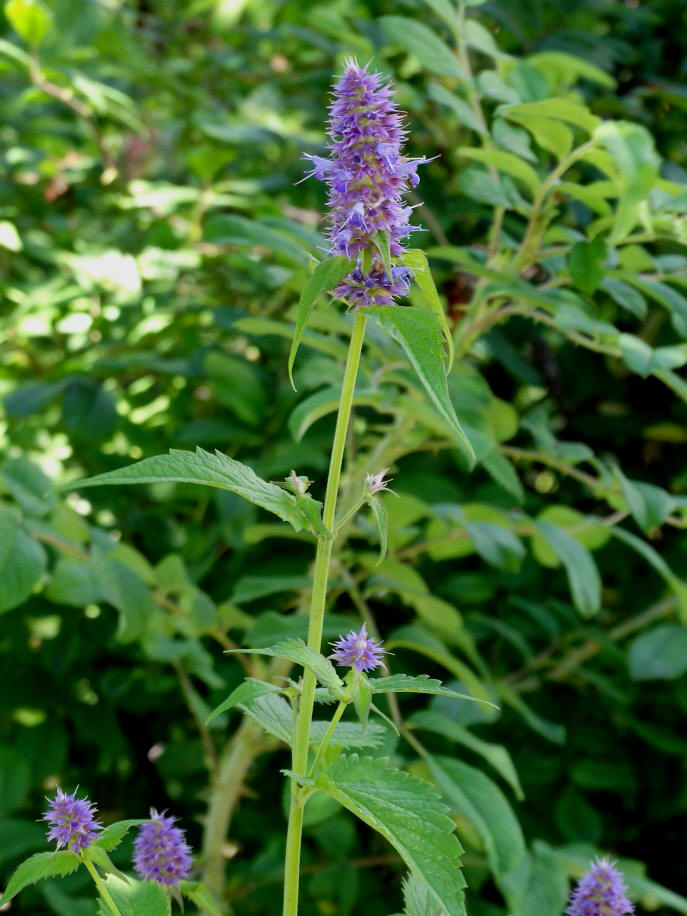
point(35, 868)
point(295, 650)
point(273, 714)
point(249, 690)
point(419, 333)
point(405, 683)
point(112, 835)
point(326, 276)
point(409, 813)
point(211, 470)
point(417, 261)
point(418, 899)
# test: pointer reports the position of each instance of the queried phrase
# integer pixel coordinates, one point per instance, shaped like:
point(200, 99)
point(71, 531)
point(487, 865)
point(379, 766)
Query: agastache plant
point(371, 271)
point(161, 857)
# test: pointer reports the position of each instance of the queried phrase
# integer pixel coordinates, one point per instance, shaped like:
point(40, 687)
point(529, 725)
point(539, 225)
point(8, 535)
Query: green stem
point(319, 594)
point(102, 890)
point(327, 735)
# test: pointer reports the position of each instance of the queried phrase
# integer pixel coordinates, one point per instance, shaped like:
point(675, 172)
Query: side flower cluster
point(367, 176)
point(161, 853)
point(601, 892)
point(358, 650)
point(72, 821)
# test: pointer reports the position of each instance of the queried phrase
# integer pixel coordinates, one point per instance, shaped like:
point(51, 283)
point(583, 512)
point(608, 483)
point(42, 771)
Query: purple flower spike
point(359, 651)
point(367, 176)
point(601, 892)
point(72, 820)
point(161, 853)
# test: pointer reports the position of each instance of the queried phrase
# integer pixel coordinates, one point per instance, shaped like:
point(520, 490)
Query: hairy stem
point(317, 607)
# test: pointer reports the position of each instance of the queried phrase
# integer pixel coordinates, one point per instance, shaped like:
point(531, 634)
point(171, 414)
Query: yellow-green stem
point(327, 735)
point(301, 739)
point(102, 890)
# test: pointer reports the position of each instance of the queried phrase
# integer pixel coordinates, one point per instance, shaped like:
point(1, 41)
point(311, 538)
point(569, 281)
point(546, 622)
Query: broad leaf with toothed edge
point(35, 868)
point(218, 470)
point(409, 813)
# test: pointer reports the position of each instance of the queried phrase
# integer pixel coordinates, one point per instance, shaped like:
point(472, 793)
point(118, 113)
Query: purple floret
point(72, 820)
point(161, 853)
point(601, 892)
point(359, 651)
point(367, 176)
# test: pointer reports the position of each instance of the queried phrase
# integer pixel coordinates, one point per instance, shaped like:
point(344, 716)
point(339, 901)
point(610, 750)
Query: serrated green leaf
point(244, 693)
point(382, 520)
point(273, 714)
point(212, 470)
point(422, 683)
point(112, 835)
point(295, 650)
point(583, 575)
point(418, 899)
point(22, 562)
point(325, 277)
point(408, 812)
point(42, 865)
point(417, 261)
point(420, 335)
point(419, 40)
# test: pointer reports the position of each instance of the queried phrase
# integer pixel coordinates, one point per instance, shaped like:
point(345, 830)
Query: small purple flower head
point(376, 483)
point(601, 892)
point(367, 176)
point(72, 820)
point(358, 650)
point(161, 853)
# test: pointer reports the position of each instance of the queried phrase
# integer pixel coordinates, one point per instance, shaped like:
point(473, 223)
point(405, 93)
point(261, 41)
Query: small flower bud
point(376, 483)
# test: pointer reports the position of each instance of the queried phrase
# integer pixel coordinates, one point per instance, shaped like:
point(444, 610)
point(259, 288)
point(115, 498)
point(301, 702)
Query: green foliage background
point(153, 245)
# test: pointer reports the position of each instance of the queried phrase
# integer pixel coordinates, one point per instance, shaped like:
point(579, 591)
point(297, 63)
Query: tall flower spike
point(601, 892)
point(161, 853)
point(367, 176)
point(358, 650)
point(73, 822)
